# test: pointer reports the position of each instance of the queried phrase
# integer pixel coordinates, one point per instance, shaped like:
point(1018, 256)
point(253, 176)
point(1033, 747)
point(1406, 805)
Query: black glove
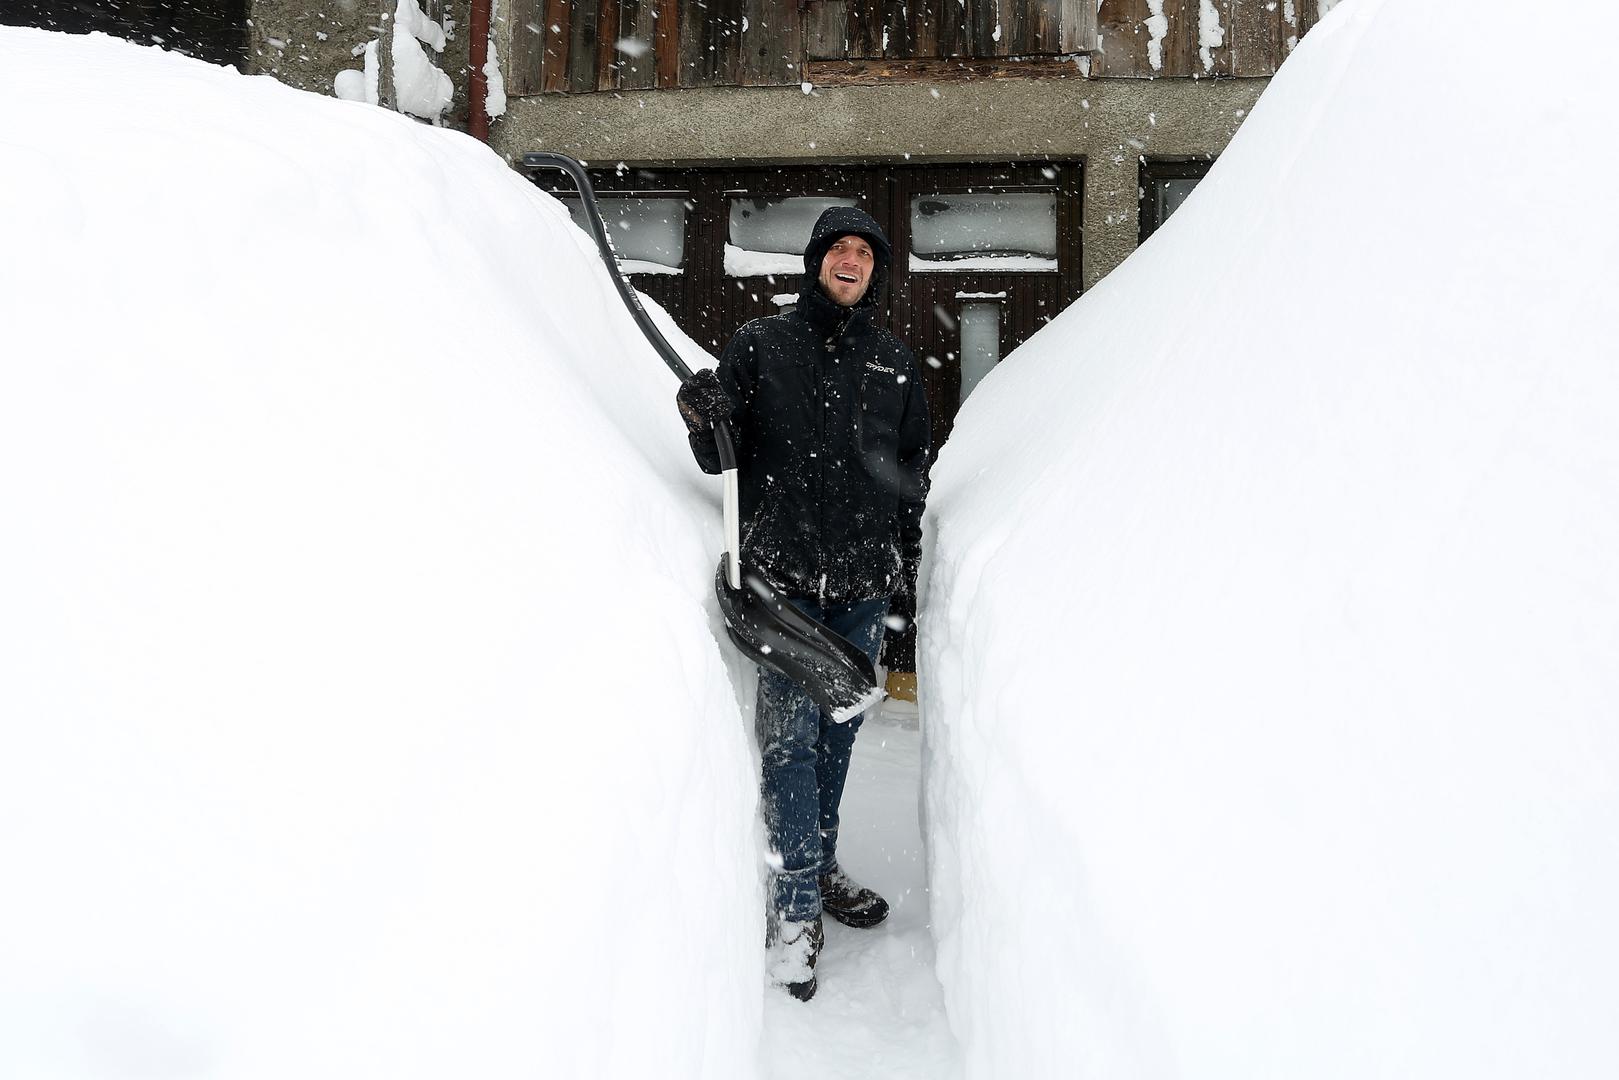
point(703, 401)
point(899, 633)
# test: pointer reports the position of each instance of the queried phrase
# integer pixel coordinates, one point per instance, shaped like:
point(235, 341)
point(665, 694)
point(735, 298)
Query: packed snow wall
point(1272, 608)
point(362, 707)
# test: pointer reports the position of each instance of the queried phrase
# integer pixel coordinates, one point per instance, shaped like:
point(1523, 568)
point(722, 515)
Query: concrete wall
point(1109, 123)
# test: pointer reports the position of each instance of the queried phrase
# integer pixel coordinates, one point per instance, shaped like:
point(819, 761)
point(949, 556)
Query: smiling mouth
point(848, 278)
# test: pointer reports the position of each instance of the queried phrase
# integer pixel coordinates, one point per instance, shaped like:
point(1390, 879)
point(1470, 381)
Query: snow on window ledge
point(1011, 264)
point(644, 266)
point(739, 262)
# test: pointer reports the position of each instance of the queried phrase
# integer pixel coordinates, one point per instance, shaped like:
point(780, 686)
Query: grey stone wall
point(305, 43)
point(1109, 123)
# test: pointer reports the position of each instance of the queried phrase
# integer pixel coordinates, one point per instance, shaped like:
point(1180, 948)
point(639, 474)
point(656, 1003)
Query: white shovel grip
point(733, 531)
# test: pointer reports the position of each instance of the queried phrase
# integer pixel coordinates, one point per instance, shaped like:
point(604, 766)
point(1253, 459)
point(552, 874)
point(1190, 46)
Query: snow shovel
point(764, 625)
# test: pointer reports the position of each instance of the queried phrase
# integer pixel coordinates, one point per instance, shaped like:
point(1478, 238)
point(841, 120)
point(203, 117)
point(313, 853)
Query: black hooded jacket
point(831, 429)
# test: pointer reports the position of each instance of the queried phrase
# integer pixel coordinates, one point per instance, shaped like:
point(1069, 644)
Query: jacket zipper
point(822, 404)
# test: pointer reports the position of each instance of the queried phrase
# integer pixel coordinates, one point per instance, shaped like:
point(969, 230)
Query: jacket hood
point(833, 223)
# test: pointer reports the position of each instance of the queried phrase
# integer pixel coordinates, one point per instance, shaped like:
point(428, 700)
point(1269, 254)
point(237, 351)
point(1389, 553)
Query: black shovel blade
point(770, 631)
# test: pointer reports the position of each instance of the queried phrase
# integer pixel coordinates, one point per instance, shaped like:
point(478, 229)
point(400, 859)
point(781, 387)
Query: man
point(831, 430)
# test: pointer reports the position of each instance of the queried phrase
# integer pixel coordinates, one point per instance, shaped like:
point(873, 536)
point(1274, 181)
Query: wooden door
point(938, 295)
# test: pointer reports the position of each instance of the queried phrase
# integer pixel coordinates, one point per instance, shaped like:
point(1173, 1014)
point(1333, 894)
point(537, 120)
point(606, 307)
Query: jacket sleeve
point(736, 374)
point(899, 639)
point(915, 436)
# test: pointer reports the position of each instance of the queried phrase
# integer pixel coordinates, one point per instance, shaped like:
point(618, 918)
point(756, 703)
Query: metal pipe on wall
point(478, 82)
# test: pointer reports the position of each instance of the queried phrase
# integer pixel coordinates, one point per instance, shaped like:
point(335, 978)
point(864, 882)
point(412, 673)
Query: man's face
point(846, 270)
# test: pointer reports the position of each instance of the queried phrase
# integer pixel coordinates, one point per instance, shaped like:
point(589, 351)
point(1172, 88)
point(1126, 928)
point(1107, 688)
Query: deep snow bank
point(1270, 627)
point(362, 710)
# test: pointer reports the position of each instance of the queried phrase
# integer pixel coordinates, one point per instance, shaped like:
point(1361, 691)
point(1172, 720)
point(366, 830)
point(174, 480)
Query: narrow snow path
point(880, 1010)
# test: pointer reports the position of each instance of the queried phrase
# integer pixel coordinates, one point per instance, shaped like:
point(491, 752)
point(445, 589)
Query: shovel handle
point(655, 338)
point(604, 245)
point(733, 513)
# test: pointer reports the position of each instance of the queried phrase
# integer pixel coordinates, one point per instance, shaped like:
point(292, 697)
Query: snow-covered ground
point(1269, 635)
point(880, 1010)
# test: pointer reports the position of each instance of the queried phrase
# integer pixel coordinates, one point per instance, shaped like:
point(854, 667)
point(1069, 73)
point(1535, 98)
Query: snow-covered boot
point(793, 949)
point(850, 903)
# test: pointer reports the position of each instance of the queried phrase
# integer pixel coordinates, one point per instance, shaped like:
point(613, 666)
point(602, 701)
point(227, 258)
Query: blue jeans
point(805, 763)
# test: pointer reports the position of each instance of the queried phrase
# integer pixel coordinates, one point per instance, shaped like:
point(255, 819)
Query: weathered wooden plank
point(607, 55)
point(953, 29)
point(1004, 27)
point(557, 34)
point(899, 30)
point(693, 19)
point(1178, 49)
point(1306, 13)
point(709, 59)
point(525, 60)
point(585, 21)
point(1017, 28)
point(1214, 20)
point(638, 28)
point(980, 28)
point(865, 29)
point(1076, 27)
point(791, 42)
point(1044, 27)
point(938, 69)
point(753, 43)
point(770, 42)
point(924, 29)
point(826, 30)
point(668, 43)
point(1256, 38)
point(1121, 38)
point(725, 16)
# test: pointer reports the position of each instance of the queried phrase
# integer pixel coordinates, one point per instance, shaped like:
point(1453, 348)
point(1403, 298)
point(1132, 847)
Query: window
point(649, 232)
point(1012, 231)
point(768, 236)
point(980, 343)
point(1165, 184)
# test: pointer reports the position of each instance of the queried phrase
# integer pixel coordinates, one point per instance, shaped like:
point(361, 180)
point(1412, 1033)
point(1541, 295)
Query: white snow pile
point(1272, 616)
point(363, 715)
point(421, 88)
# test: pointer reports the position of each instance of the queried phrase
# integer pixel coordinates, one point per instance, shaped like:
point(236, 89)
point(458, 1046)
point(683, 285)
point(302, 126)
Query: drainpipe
point(478, 83)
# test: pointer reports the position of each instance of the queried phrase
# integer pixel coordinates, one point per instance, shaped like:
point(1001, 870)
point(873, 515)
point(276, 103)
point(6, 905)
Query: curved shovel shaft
point(836, 675)
point(676, 363)
point(604, 245)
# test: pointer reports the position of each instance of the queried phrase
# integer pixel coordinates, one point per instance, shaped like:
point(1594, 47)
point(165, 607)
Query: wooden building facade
point(1013, 150)
point(583, 46)
point(988, 247)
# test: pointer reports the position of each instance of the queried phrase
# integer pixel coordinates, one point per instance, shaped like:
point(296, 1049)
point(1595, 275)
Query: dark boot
point(851, 904)
point(793, 948)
